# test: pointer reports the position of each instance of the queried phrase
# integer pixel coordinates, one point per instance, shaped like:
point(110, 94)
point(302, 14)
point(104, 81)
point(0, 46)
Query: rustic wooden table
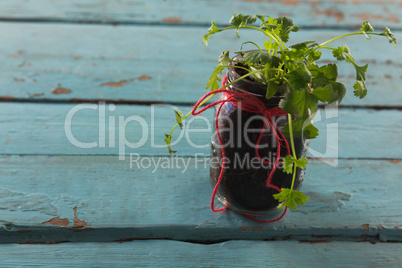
point(73, 75)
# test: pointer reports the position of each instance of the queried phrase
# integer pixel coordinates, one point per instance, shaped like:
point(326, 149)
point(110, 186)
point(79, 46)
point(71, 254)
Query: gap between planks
point(149, 103)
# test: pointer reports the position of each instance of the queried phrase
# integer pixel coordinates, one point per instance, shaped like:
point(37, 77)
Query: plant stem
point(331, 40)
point(293, 150)
point(211, 96)
point(336, 38)
point(268, 34)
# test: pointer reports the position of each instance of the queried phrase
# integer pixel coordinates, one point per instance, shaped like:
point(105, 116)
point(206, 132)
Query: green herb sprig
point(275, 64)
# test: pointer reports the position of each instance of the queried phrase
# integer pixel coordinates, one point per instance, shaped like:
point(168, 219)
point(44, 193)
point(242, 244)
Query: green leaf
point(302, 128)
point(360, 85)
point(303, 104)
point(301, 163)
point(215, 78)
point(236, 19)
point(302, 44)
point(314, 55)
point(339, 53)
point(179, 118)
point(340, 90)
point(325, 87)
point(330, 93)
point(213, 29)
point(301, 101)
point(297, 52)
point(391, 38)
point(361, 72)
point(271, 24)
point(366, 27)
point(289, 160)
point(249, 19)
point(224, 58)
point(360, 89)
point(167, 139)
point(272, 88)
point(239, 20)
point(324, 94)
point(300, 77)
point(287, 27)
point(257, 57)
point(290, 198)
point(287, 164)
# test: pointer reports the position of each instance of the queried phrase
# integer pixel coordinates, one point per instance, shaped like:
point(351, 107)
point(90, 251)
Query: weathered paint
point(322, 13)
point(45, 132)
point(119, 202)
point(226, 254)
point(51, 191)
point(130, 63)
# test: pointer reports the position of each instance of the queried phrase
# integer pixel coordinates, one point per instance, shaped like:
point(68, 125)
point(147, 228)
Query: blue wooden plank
point(226, 254)
point(329, 13)
point(45, 129)
point(52, 198)
point(39, 59)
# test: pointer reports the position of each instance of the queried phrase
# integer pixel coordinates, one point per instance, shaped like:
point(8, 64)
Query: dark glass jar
point(243, 185)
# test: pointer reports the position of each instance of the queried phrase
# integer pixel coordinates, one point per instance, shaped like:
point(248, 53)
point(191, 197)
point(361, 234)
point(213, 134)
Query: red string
point(249, 103)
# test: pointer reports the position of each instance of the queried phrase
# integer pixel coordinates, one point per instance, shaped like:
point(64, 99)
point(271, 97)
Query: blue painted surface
point(136, 53)
point(106, 62)
point(46, 132)
point(313, 13)
point(226, 254)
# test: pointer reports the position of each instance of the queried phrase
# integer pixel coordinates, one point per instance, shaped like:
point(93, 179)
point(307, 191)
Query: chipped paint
point(366, 227)
point(114, 84)
point(328, 12)
point(36, 95)
point(60, 90)
point(290, 2)
point(123, 82)
point(19, 80)
point(368, 17)
point(143, 78)
point(57, 221)
point(78, 223)
point(391, 16)
point(7, 98)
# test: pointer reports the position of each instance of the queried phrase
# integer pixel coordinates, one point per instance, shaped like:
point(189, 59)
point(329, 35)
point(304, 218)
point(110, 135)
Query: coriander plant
point(276, 64)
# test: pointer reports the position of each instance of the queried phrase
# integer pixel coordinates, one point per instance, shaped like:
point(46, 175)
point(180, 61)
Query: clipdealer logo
point(112, 133)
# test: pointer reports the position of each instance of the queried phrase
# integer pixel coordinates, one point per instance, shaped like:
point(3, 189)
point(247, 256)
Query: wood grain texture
point(227, 254)
point(99, 198)
point(43, 129)
point(322, 13)
point(146, 64)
